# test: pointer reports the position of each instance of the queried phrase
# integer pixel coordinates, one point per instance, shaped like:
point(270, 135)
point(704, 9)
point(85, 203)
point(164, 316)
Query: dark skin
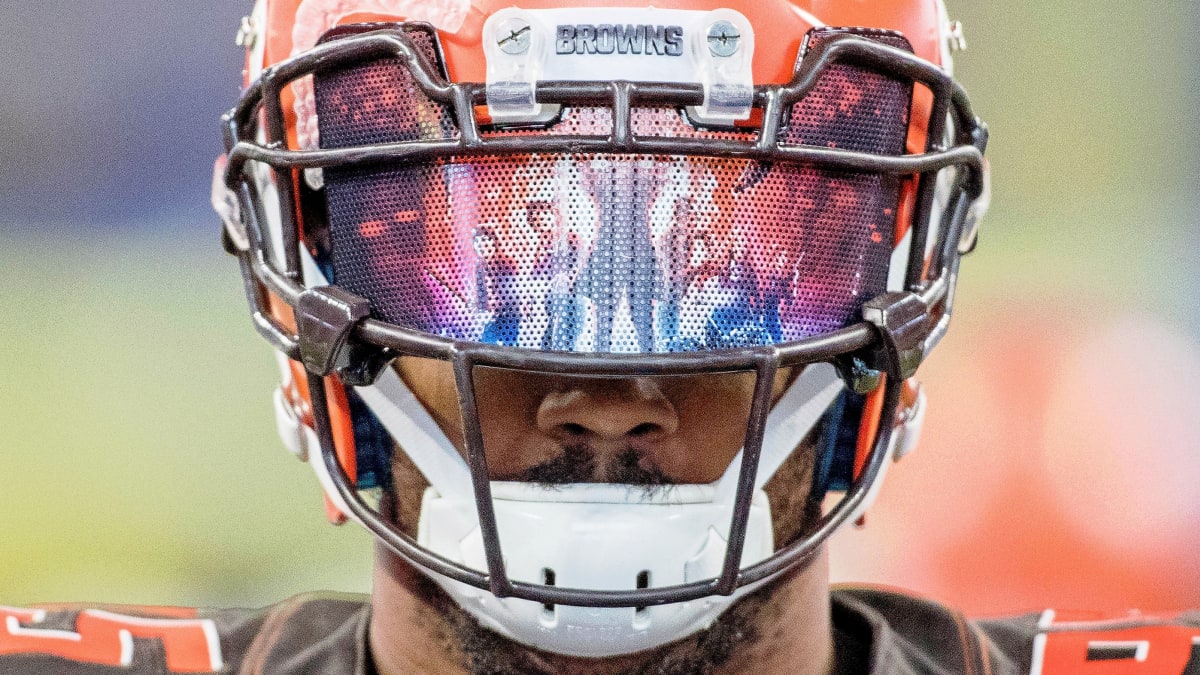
point(558, 429)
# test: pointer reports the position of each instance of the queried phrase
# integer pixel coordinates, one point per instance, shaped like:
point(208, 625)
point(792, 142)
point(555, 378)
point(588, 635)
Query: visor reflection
point(595, 252)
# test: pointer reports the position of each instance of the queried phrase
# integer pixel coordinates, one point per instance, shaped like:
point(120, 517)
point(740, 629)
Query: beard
point(485, 652)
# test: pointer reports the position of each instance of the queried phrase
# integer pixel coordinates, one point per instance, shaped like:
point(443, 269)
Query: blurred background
point(138, 458)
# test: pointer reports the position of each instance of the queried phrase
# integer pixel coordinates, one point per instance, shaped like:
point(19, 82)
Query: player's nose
point(608, 411)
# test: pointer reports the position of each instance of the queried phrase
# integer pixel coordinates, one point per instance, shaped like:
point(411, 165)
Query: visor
point(603, 252)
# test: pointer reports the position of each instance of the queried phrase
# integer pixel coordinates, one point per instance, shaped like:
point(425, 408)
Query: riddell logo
point(628, 39)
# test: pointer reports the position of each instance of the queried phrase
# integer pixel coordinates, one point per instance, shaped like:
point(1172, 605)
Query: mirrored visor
point(611, 252)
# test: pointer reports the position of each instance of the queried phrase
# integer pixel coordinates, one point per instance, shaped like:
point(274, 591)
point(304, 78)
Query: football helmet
point(599, 189)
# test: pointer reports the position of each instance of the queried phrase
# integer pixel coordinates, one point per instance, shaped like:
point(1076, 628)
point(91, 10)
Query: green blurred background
point(138, 458)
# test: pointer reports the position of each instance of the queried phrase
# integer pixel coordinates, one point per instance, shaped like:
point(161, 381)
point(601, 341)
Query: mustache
point(579, 464)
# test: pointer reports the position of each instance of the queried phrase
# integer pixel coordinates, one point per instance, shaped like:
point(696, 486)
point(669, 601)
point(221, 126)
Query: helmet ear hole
point(364, 446)
point(837, 448)
point(372, 445)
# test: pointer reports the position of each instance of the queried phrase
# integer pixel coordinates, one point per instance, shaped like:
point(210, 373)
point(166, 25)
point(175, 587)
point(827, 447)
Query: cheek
point(783, 379)
point(508, 402)
point(432, 382)
point(713, 412)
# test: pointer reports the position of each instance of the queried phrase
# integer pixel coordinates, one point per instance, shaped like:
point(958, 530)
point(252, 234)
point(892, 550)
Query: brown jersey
point(884, 632)
point(311, 634)
point(876, 632)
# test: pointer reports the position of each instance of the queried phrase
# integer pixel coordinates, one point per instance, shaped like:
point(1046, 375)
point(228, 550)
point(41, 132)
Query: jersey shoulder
point(1133, 643)
point(67, 639)
point(911, 635)
point(916, 635)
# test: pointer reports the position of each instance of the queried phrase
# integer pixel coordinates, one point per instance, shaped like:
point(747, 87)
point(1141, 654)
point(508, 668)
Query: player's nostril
point(608, 410)
point(644, 429)
point(572, 429)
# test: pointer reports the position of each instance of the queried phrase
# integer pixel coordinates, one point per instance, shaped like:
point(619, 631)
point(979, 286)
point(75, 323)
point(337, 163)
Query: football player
point(602, 317)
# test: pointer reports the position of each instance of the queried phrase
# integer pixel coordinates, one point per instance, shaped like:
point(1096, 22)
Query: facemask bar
point(336, 334)
point(765, 366)
point(774, 101)
point(763, 361)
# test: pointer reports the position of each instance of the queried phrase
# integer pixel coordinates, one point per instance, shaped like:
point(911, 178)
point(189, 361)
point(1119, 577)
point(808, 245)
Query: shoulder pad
point(137, 640)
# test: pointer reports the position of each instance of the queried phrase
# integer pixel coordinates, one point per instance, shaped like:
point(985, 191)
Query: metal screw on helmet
point(955, 37)
point(247, 33)
point(723, 39)
point(513, 36)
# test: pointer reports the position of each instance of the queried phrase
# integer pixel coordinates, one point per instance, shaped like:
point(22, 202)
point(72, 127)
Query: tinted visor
point(606, 252)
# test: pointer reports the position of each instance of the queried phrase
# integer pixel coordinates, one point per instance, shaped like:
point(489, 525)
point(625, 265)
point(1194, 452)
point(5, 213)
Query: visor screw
point(723, 39)
point(247, 33)
point(955, 37)
point(513, 36)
